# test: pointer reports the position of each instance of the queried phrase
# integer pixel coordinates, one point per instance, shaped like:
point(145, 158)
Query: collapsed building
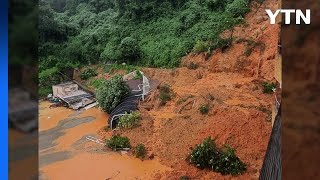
point(73, 95)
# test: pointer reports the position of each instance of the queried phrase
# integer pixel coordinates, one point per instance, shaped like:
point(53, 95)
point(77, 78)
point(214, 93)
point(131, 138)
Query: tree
point(111, 92)
point(129, 49)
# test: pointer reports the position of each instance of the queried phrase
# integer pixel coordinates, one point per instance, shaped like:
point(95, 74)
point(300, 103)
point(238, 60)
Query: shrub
point(166, 94)
point(140, 151)
point(229, 163)
point(204, 109)
point(111, 92)
point(88, 73)
point(203, 153)
point(117, 142)
point(201, 46)
point(185, 178)
point(238, 8)
point(129, 120)
point(207, 155)
point(268, 87)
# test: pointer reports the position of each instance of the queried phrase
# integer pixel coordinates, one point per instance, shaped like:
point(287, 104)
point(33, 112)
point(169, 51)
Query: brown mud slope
point(230, 82)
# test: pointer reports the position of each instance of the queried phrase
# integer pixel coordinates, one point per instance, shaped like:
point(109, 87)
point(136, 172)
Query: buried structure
point(73, 95)
point(139, 89)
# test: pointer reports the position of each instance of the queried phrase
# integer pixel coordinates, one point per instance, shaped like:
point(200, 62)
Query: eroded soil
point(228, 81)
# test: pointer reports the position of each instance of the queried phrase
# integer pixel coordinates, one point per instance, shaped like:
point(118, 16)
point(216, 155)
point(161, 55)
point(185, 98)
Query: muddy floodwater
point(65, 153)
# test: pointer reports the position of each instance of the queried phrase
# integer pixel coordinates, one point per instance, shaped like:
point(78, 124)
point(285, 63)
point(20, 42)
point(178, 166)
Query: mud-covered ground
point(229, 81)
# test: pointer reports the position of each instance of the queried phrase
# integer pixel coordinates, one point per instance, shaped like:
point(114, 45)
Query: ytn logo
point(287, 13)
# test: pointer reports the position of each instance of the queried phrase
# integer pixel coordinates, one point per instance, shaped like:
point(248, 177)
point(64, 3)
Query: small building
point(71, 94)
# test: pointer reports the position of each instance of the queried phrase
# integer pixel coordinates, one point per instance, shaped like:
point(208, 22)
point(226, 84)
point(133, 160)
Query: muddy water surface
point(66, 154)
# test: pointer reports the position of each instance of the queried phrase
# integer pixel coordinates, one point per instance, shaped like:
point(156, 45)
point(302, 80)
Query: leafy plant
point(238, 8)
point(201, 46)
point(204, 109)
point(111, 92)
point(117, 142)
point(129, 120)
point(138, 75)
point(140, 151)
point(166, 94)
point(207, 155)
point(96, 83)
point(268, 87)
point(88, 73)
point(129, 49)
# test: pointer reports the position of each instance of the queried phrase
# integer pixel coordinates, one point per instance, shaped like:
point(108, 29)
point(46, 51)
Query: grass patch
point(117, 142)
point(96, 83)
point(208, 155)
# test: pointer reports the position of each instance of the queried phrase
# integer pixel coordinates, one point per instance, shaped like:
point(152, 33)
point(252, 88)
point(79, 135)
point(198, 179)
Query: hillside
point(223, 68)
point(153, 33)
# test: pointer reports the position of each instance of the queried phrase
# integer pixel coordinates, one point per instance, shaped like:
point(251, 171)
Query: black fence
point(271, 167)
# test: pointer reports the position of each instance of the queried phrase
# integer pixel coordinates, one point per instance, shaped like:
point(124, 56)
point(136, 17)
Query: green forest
point(152, 33)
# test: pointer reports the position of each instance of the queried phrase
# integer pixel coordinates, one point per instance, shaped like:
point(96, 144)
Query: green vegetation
point(96, 83)
point(154, 33)
point(141, 151)
point(138, 75)
point(166, 94)
point(114, 67)
point(88, 73)
point(117, 142)
point(207, 155)
point(111, 92)
point(204, 109)
point(129, 120)
point(268, 87)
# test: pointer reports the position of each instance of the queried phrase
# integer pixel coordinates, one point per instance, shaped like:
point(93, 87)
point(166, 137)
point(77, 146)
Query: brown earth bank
point(229, 81)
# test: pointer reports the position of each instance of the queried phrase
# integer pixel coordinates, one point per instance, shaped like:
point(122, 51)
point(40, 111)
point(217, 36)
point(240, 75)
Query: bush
point(166, 94)
point(229, 163)
point(203, 153)
point(204, 109)
point(117, 142)
point(207, 155)
point(201, 46)
point(111, 92)
point(129, 120)
point(140, 151)
point(88, 73)
point(268, 87)
point(238, 8)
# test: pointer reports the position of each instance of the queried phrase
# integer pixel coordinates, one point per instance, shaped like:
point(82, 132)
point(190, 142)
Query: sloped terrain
point(229, 81)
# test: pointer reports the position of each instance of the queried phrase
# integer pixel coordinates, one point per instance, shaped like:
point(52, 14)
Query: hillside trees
point(154, 33)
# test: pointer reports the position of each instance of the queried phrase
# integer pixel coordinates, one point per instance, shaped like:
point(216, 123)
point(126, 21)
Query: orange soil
point(239, 115)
